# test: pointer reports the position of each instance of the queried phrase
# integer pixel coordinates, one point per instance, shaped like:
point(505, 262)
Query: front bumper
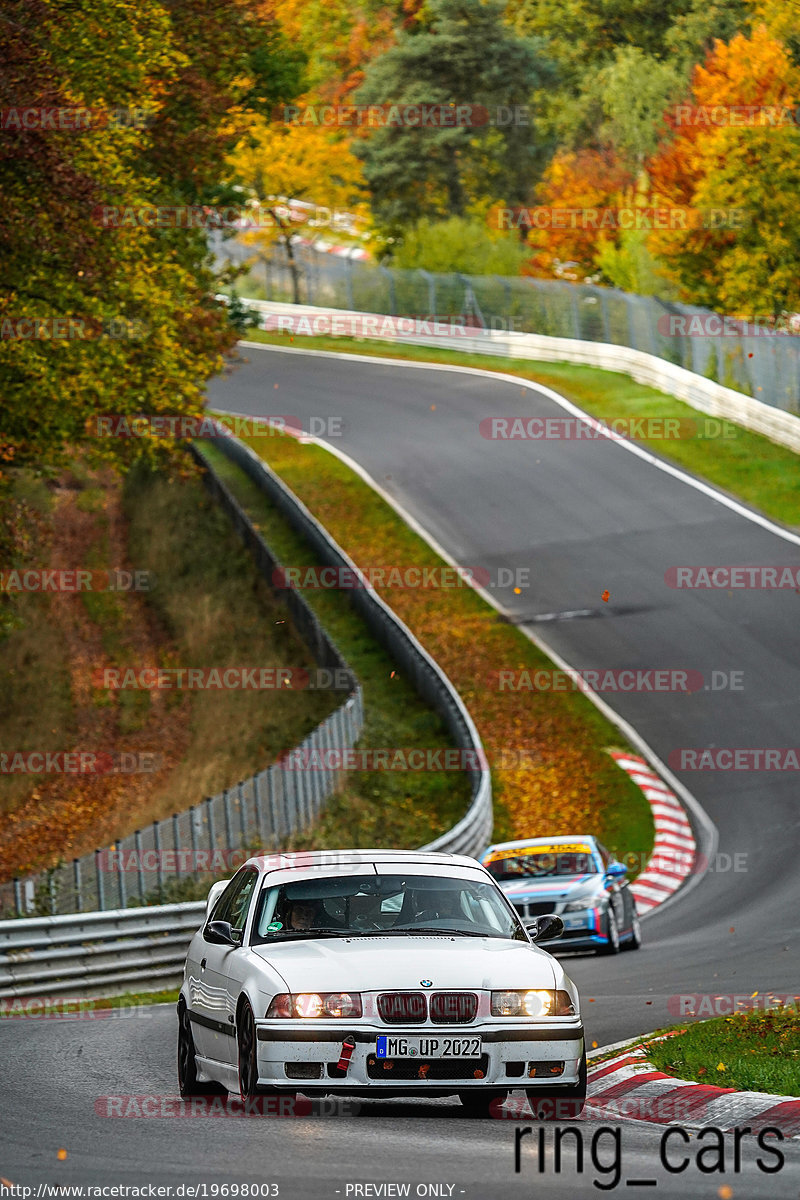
point(288, 1051)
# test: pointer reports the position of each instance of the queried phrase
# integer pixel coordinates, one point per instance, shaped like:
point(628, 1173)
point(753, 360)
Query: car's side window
point(234, 902)
point(604, 855)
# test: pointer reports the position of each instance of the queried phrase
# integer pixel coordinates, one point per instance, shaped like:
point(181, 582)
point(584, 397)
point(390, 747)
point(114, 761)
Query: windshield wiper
point(438, 929)
point(283, 934)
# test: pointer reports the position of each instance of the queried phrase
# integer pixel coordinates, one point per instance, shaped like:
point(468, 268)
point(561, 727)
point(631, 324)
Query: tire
point(188, 1083)
point(248, 1058)
point(635, 940)
point(612, 945)
point(481, 1104)
point(561, 1103)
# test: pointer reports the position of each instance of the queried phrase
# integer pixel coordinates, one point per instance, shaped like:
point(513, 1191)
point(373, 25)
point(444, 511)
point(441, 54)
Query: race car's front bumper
point(303, 1056)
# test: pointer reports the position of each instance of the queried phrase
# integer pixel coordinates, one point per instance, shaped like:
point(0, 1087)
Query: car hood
point(400, 963)
point(575, 887)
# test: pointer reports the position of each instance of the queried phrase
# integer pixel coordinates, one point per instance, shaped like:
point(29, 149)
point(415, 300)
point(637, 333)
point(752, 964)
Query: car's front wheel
point(481, 1104)
point(635, 940)
point(188, 1083)
point(612, 933)
point(248, 1060)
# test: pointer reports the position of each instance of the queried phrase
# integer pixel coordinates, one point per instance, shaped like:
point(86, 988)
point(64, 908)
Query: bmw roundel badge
point(426, 982)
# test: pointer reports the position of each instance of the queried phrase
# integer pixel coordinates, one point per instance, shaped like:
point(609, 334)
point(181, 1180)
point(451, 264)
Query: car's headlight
point(532, 1004)
point(288, 1006)
point(579, 906)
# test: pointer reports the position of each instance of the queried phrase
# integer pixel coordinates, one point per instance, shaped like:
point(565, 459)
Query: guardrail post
point(259, 813)
point(175, 832)
point(193, 818)
point(212, 833)
point(137, 842)
point(123, 891)
point(159, 864)
point(273, 808)
point(289, 824)
point(17, 896)
point(242, 813)
point(226, 808)
point(76, 881)
point(101, 897)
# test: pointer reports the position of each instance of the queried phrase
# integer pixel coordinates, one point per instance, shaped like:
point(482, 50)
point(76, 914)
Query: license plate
point(428, 1047)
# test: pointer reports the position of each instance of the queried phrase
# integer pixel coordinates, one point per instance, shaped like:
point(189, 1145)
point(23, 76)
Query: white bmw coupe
point(377, 973)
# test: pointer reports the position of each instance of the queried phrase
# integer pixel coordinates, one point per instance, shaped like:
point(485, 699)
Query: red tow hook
point(348, 1046)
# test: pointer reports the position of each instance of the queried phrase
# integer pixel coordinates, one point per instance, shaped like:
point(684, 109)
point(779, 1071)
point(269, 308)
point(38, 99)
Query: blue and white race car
point(576, 878)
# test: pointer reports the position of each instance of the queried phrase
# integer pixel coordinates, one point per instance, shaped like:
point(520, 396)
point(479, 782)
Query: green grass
point(20, 1006)
point(759, 1050)
point(380, 808)
point(747, 465)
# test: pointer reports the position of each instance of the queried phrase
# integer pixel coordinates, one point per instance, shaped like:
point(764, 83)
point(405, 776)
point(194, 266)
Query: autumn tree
point(282, 161)
point(118, 318)
point(749, 167)
point(575, 182)
point(461, 54)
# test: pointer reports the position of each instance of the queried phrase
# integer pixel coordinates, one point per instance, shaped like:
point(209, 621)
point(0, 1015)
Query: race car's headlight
point(578, 906)
point(532, 1004)
point(315, 1004)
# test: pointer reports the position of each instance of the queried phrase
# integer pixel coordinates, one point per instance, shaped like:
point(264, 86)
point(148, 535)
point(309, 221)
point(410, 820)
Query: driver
point(304, 914)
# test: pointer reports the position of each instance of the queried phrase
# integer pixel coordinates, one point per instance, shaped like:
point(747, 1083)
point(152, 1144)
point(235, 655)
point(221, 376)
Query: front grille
point(540, 908)
point(391, 1069)
point(453, 1008)
point(402, 1008)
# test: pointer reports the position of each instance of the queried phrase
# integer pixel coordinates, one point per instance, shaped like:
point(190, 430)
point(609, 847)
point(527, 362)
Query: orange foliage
point(576, 181)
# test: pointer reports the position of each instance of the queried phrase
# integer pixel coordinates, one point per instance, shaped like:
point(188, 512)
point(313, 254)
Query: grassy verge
point(552, 773)
point(381, 808)
point(743, 464)
point(756, 1051)
point(36, 1008)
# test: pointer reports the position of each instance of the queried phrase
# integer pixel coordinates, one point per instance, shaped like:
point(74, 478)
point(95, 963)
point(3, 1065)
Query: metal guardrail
point(210, 837)
point(763, 367)
point(473, 832)
point(138, 949)
point(99, 953)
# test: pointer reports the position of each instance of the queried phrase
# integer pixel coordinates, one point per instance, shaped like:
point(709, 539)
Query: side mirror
point(222, 933)
point(216, 891)
point(545, 928)
point(616, 870)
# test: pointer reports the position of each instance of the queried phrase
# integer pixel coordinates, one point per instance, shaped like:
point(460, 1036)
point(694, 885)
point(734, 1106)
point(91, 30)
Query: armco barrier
point(473, 832)
point(98, 953)
point(703, 394)
point(263, 811)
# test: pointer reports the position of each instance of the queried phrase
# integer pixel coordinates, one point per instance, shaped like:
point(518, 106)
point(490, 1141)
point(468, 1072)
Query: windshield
point(397, 905)
point(540, 863)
